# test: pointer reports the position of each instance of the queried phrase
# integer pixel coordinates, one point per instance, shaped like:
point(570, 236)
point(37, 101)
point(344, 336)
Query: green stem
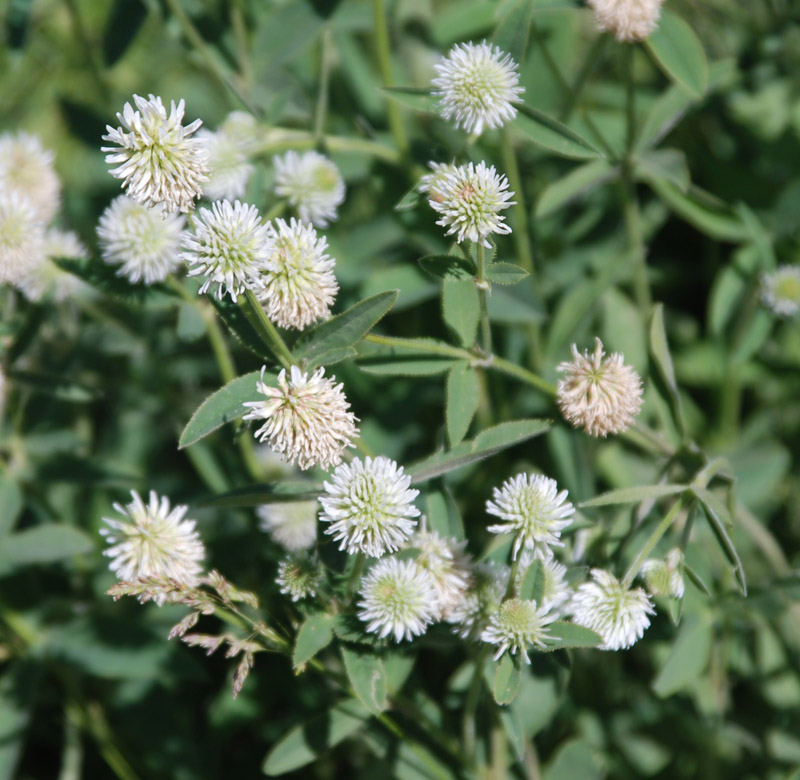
point(268, 332)
point(589, 63)
point(633, 223)
point(355, 575)
point(469, 729)
point(385, 66)
point(322, 93)
point(239, 27)
point(519, 211)
point(212, 65)
point(483, 290)
point(278, 139)
point(512, 369)
point(650, 544)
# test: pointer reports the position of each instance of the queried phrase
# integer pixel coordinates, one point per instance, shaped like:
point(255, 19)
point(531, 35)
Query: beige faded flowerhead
point(22, 236)
point(27, 167)
point(298, 284)
point(158, 160)
point(312, 184)
point(600, 394)
point(306, 418)
point(229, 168)
point(628, 20)
point(48, 280)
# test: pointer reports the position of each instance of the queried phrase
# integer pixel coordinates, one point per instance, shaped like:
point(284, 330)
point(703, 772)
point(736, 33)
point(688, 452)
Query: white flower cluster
point(30, 197)
point(628, 20)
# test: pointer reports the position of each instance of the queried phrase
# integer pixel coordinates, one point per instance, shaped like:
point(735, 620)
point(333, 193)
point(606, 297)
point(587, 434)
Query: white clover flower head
point(299, 286)
point(618, 614)
point(46, 279)
point(478, 85)
point(398, 598)
point(533, 509)
point(146, 247)
point(243, 129)
point(468, 200)
point(229, 246)
point(306, 418)
point(556, 591)
point(369, 506)
point(158, 160)
point(22, 237)
point(471, 615)
point(445, 559)
point(152, 540)
point(628, 20)
point(27, 167)
point(600, 394)
point(439, 172)
point(517, 625)
point(780, 290)
point(229, 168)
point(665, 578)
point(292, 525)
point(299, 576)
point(312, 184)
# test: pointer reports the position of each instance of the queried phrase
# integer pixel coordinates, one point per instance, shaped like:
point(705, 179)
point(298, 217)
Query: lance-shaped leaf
point(659, 351)
point(633, 495)
point(564, 635)
point(551, 134)
point(679, 53)
point(267, 493)
point(461, 401)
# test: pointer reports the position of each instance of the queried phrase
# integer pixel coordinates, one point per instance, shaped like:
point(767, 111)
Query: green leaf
point(368, 678)
point(463, 393)
point(505, 273)
point(236, 317)
point(720, 520)
point(416, 98)
point(563, 635)
point(191, 325)
point(43, 544)
point(659, 351)
point(576, 183)
point(398, 666)
point(506, 679)
point(513, 28)
point(485, 444)
point(533, 583)
point(223, 406)
point(268, 493)
point(103, 277)
point(665, 113)
point(714, 219)
point(513, 728)
point(407, 364)
point(345, 329)
point(688, 657)
point(304, 744)
point(664, 164)
point(123, 23)
point(447, 267)
point(551, 134)
point(11, 503)
point(443, 515)
point(18, 686)
point(461, 310)
point(633, 495)
point(315, 634)
point(679, 53)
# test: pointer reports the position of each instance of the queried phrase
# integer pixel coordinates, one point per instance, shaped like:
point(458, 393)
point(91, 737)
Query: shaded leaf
point(236, 317)
point(461, 310)
point(679, 53)
point(633, 495)
point(576, 183)
point(447, 267)
point(551, 134)
point(268, 493)
point(665, 164)
point(462, 395)
point(417, 98)
point(401, 364)
point(43, 544)
point(687, 658)
point(505, 273)
point(720, 520)
point(367, 676)
point(659, 351)
point(315, 634)
point(533, 583)
point(10, 503)
point(563, 635)
point(506, 679)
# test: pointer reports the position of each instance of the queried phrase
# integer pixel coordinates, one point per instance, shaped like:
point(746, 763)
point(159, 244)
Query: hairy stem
point(269, 332)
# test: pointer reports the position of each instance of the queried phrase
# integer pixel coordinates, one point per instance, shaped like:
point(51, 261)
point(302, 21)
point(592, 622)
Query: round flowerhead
point(229, 246)
point(397, 598)
point(146, 247)
point(468, 199)
point(437, 176)
point(533, 509)
point(445, 559)
point(152, 540)
point(21, 237)
point(299, 576)
point(298, 282)
point(517, 625)
point(27, 167)
point(312, 184)
point(229, 168)
point(478, 85)
point(618, 614)
point(665, 578)
point(158, 160)
point(471, 615)
point(46, 279)
point(243, 128)
point(628, 20)
point(780, 290)
point(306, 418)
point(369, 506)
point(600, 394)
point(292, 525)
